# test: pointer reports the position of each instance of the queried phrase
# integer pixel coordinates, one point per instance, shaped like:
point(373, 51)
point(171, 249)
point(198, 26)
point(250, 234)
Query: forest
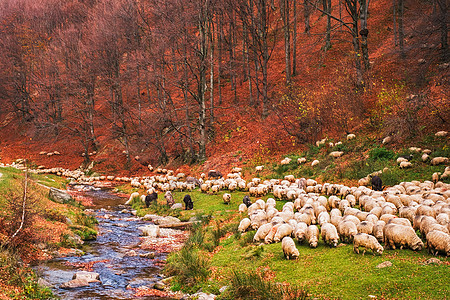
point(181, 81)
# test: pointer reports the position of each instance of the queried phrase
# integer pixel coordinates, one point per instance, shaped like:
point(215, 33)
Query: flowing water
point(120, 273)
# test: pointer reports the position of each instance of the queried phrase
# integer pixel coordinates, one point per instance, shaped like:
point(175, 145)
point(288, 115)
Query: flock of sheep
point(391, 216)
point(333, 212)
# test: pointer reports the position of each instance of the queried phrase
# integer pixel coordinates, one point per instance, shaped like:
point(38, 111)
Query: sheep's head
point(417, 246)
point(379, 249)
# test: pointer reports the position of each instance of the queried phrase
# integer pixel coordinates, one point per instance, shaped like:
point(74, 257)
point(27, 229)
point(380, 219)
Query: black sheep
point(247, 201)
point(407, 157)
point(150, 198)
point(188, 202)
point(214, 174)
point(377, 184)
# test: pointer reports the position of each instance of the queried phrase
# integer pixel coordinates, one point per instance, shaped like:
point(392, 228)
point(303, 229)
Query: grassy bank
point(44, 225)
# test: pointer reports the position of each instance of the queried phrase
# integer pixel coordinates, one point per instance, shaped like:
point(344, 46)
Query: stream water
point(121, 273)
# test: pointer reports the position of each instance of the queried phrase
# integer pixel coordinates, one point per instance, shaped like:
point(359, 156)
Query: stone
point(166, 220)
point(177, 206)
point(159, 285)
point(384, 264)
point(131, 253)
point(203, 296)
point(88, 276)
point(150, 230)
point(147, 255)
point(43, 282)
point(223, 289)
point(75, 283)
point(59, 196)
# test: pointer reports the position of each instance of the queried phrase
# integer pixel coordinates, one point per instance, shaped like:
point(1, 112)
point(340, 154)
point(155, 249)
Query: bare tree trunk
point(294, 41)
point(211, 79)
point(284, 9)
point(442, 20)
point(401, 35)
point(364, 32)
point(327, 9)
point(394, 12)
point(263, 30)
point(220, 46)
point(306, 13)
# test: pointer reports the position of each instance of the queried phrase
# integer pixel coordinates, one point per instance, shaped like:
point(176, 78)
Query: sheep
point(262, 232)
point(350, 136)
point(151, 198)
point(242, 207)
point(132, 196)
point(189, 204)
point(401, 235)
point(285, 161)
point(324, 217)
point(329, 234)
point(300, 231)
point(282, 231)
point(441, 133)
point(226, 198)
point(439, 160)
point(247, 201)
point(258, 218)
point(400, 221)
point(368, 242)
point(378, 230)
point(405, 164)
point(289, 178)
point(346, 230)
point(336, 154)
point(425, 157)
point(438, 241)
point(204, 188)
point(214, 174)
point(169, 198)
point(259, 168)
point(270, 235)
point(244, 225)
point(443, 219)
point(289, 249)
point(312, 235)
point(407, 212)
point(301, 160)
point(314, 163)
point(365, 227)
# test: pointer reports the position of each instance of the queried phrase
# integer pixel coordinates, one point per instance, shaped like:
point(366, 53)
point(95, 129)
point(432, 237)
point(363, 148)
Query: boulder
point(384, 265)
point(59, 196)
point(150, 230)
point(75, 283)
point(177, 206)
point(88, 276)
point(166, 220)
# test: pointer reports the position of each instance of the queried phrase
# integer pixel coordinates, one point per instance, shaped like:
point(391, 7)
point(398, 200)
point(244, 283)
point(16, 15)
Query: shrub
point(381, 154)
point(250, 285)
point(247, 238)
point(188, 265)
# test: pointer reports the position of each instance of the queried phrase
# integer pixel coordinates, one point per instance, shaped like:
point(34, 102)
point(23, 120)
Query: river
point(126, 269)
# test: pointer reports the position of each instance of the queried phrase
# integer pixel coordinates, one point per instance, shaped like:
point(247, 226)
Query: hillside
point(83, 70)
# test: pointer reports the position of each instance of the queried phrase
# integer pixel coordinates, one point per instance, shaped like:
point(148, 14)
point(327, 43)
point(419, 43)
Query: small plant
point(247, 238)
point(381, 154)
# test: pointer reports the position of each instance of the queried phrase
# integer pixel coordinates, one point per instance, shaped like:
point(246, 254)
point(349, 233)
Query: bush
point(381, 154)
point(188, 265)
point(250, 285)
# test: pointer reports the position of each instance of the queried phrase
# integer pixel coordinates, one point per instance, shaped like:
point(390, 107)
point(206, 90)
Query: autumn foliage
point(128, 82)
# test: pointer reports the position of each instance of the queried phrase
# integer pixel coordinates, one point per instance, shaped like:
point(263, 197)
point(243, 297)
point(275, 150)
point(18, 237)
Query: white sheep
point(439, 160)
point(365, 227)
point(387, 140)
point(301, 160)
point(242, 208)
point(329, 234)
point(262, 232)
point(438, 241)
point(300, 231)
point(378, 230)
point(259, 168)
point(282, 231)
point(289, 249)
point(244, 225)
point(285, 161)
point(312, 235)
point(314, 163)
point(346, 230)
point(132, 196)
point(368, 242)
point(403, 236)
point(227, 198)
point(405, 164)
point(425, 157)
point(350, 136)
point(441, 133)
point(271, 234)
point(336, 154)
